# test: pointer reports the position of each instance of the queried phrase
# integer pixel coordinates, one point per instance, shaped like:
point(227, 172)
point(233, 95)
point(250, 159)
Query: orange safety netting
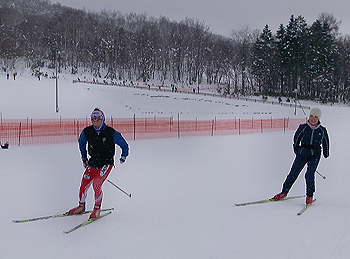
point(46, 131)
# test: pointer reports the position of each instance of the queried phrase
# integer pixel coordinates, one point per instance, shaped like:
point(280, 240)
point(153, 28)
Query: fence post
point(77, 128)
point(19, 133)
point(239, 126)
point(134, 126)
point(271, 122)
point(31, 127)
point(178, 125)
point(170, 123)
point(212, 128)
point(261, 126)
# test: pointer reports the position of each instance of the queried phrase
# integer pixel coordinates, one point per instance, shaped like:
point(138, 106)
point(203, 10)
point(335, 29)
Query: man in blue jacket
point(307, 147)
point(101, 140)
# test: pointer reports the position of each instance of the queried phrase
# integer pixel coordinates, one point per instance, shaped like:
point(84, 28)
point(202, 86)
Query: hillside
point(183, 190)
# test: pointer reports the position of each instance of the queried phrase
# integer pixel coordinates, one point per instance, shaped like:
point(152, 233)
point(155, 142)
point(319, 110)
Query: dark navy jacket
point(101, 145)
point(308, 140)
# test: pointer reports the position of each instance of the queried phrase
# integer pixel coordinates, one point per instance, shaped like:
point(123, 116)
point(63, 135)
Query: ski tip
point(306, 206)
point(22, 220)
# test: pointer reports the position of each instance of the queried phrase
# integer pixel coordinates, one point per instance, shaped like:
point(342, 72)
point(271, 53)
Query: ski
point(266, 201)
point(306, 206)
point(86, 222)
point(54, 216)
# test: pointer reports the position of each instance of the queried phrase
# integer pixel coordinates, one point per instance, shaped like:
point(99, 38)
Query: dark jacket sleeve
point(297, 137)
point(325, 143)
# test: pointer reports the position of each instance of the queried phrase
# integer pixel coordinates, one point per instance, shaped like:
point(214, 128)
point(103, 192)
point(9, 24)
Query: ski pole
point(324, 177)
point(120, 189)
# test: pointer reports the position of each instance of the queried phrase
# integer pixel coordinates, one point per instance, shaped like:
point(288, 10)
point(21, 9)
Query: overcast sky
point(223, 16)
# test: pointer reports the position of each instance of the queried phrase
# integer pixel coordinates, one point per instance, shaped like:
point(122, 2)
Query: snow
point(183, 189)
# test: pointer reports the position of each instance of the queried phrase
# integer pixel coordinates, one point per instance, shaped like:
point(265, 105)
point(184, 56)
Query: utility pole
point(296, 100)
point(56, 70)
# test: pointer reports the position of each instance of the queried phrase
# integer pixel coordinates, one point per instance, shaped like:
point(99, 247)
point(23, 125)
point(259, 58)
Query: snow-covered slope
point(183, 190)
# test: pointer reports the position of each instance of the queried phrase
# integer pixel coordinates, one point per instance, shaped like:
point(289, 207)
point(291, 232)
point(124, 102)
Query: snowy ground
point(183, 190)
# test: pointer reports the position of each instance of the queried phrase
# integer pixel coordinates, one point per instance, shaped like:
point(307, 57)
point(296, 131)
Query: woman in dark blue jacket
point(307, 147)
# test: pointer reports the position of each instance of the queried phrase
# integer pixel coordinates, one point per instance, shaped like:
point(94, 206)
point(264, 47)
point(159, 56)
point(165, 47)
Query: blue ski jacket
point(308, 140)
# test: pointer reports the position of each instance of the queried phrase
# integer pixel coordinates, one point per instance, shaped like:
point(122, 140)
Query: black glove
point(122, 159)
point(85, 163)
point(296, 149)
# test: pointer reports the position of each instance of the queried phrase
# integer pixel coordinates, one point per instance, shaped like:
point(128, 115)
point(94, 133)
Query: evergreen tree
point(281, 60)
point(322, 53)
point(295, 42)
point(264, 65)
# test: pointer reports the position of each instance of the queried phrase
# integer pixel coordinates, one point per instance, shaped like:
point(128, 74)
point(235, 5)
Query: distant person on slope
point(5, 146)
point(101, 140)
point(307, 147)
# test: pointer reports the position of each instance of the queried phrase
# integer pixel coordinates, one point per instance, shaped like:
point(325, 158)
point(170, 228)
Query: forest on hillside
point(312, 60)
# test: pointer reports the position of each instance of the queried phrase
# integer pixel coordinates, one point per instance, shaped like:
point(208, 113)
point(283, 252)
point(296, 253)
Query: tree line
point(312, 61)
